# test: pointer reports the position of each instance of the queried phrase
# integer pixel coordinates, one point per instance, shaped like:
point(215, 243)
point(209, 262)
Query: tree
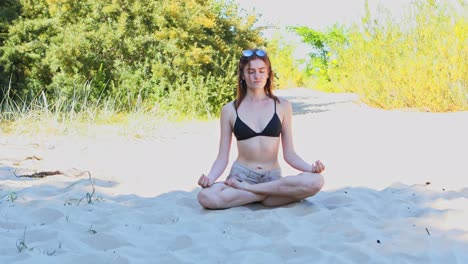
point(324, 46)
point(127, 49)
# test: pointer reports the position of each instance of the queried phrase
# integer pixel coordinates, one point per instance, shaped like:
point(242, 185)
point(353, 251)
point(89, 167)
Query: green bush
point(416, 62)
point(124, 51)
point(289, 71)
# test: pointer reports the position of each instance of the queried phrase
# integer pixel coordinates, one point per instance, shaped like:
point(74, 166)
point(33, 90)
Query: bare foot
point(234, 183)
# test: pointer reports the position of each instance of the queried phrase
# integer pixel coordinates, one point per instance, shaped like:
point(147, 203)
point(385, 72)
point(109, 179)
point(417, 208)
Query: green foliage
point(289, 71)
point(416, 62)
point(195, 93)
point(129, 51)
point(323, 44)
point(9, 11)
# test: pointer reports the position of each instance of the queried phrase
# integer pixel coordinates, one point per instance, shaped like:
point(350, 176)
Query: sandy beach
point(396, 191)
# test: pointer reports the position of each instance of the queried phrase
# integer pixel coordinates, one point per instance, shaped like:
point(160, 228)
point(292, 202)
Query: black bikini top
point(243, 131)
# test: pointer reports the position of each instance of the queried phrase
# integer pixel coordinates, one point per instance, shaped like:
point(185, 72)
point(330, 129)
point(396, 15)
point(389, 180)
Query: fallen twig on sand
point(41, 174)
point(17, 162)
point(33, 158)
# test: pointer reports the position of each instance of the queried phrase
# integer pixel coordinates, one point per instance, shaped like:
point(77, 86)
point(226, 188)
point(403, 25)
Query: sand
point(396, 192)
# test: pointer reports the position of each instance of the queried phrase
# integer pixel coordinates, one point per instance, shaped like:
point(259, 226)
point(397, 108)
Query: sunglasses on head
point(249, 53)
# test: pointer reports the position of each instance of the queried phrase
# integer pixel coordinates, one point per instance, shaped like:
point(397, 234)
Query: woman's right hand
point(204, 181)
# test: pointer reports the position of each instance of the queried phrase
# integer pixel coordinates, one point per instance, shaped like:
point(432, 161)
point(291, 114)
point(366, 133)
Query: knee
point(314, 183)
point(208, 200)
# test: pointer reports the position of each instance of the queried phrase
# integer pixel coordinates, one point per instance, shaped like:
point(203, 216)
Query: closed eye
point(261, 70)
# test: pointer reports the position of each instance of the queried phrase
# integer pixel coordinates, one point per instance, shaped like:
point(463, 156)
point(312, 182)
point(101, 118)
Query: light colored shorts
point(242, 173)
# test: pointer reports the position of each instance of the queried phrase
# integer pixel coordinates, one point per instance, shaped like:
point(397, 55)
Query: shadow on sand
point(317, 102)
point(47, 219)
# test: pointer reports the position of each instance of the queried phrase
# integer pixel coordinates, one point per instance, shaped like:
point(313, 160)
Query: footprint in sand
point(346, 230)
point(181, 242)
point(40, 235)
point(356, 255)
point(290, 252)
point(46, 215)
point(101, 241)
point(159, 218)
point(266, 228)
point(98, 258)
point(11, 225)
point(304, 208)
point(188, 202)
point(336, 201)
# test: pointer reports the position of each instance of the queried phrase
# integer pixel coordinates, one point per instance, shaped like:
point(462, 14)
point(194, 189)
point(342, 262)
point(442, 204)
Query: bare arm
point(222, 159)
point(289, 153)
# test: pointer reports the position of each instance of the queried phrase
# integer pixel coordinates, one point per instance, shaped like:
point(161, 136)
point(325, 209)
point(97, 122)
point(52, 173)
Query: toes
point(231, 183)
point(228, 182)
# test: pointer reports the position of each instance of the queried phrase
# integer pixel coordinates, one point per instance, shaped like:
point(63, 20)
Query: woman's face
point(256, 74)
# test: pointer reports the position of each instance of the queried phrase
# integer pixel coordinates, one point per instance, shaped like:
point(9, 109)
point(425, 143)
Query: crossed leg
point(222, 196)
point(274, 193)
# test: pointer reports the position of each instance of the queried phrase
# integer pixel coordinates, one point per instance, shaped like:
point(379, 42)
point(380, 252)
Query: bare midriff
point(259, 153)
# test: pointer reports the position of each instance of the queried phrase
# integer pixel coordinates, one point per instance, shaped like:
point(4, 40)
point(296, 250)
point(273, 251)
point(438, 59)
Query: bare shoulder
point(282, 100)
point(228, 107)
point(228, 110)
point(284, 104)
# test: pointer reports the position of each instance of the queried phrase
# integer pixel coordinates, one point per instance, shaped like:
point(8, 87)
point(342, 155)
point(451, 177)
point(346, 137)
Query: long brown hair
point(242, 86)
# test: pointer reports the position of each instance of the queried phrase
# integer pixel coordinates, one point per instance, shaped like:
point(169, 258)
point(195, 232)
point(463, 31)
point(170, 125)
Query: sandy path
point(360, 146)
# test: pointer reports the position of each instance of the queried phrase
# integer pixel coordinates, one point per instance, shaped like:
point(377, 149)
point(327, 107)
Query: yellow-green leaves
point(129, 50)
point(417, 62)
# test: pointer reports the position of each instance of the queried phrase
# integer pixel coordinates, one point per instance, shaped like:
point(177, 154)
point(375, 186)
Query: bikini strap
point(234, 105)
point(275, 104)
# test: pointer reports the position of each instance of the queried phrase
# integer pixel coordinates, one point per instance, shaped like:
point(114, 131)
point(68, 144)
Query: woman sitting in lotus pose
point(258, 119)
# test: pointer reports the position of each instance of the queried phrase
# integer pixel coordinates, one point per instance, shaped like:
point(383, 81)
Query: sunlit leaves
point(416, 62)
point(129, 49)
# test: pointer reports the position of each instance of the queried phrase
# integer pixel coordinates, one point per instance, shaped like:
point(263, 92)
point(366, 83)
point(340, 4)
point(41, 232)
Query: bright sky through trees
point(317, 14)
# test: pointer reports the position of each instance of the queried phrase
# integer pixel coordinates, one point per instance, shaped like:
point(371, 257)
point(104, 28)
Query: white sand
point(375, 207)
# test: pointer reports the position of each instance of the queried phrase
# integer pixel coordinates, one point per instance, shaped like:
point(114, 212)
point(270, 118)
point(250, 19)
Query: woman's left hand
point(318, 167)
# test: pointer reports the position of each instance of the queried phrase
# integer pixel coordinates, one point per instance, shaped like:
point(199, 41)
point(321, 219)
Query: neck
point(256, 95)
